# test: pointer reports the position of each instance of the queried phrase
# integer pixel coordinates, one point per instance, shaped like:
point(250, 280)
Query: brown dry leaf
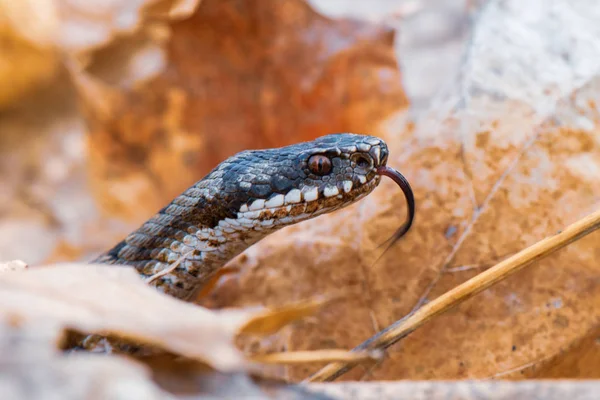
point(577, 359)
point(26, 55)
point(36, 34)
point(33, 368)
point(108, 300)
point(272, 320)
point(238, 75)
point(214, 281)
point(508, 157)
point(86, 26)
point(43, 168)
point(114, 301)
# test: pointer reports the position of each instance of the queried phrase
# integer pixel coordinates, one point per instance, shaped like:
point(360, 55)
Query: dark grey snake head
point(245, 198)
point(276, 187)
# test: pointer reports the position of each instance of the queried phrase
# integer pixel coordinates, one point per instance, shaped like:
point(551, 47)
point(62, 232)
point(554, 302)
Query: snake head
point(266, 189)
point(247, 197)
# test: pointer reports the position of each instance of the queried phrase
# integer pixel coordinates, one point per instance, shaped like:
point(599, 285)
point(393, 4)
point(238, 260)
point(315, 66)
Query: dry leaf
point(109, 300)
point(467, 290)
point(26, 55)
point(43, 162)
point(577, 359)
point(506, 159)
point(113, 300)
point(36, 34)
point(90, 25)
point(469, 390)
point(32, 368)
point(212, 282)
point(39, 304)
point(274, 319)
point(33, 21)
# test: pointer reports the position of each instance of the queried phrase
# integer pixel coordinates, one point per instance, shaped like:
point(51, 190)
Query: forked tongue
point(410, 202)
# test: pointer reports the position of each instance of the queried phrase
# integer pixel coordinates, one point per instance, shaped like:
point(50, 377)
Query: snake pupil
point(319, 164)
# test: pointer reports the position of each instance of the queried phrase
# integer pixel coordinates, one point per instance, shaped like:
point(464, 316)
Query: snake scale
point(246, 198)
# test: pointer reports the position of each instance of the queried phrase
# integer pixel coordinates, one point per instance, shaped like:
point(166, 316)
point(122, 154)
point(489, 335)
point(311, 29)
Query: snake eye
point(319, 165)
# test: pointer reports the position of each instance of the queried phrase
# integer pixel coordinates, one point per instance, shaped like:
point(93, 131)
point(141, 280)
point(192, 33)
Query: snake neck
point(181, 247)
point(178, 240)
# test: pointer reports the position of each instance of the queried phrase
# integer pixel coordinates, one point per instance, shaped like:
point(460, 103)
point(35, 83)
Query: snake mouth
point(298, 205)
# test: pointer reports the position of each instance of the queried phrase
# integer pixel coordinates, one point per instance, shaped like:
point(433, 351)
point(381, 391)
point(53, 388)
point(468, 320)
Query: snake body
point(244, 199)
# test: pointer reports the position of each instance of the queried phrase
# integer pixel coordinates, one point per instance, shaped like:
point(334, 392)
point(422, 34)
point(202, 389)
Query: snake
point(246, 198)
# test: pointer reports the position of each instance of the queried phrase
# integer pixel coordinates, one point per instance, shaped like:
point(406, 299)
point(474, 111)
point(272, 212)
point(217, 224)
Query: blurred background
point(109, 109)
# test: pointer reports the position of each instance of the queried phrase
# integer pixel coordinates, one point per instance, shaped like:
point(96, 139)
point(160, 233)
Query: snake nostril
point(363, 162)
